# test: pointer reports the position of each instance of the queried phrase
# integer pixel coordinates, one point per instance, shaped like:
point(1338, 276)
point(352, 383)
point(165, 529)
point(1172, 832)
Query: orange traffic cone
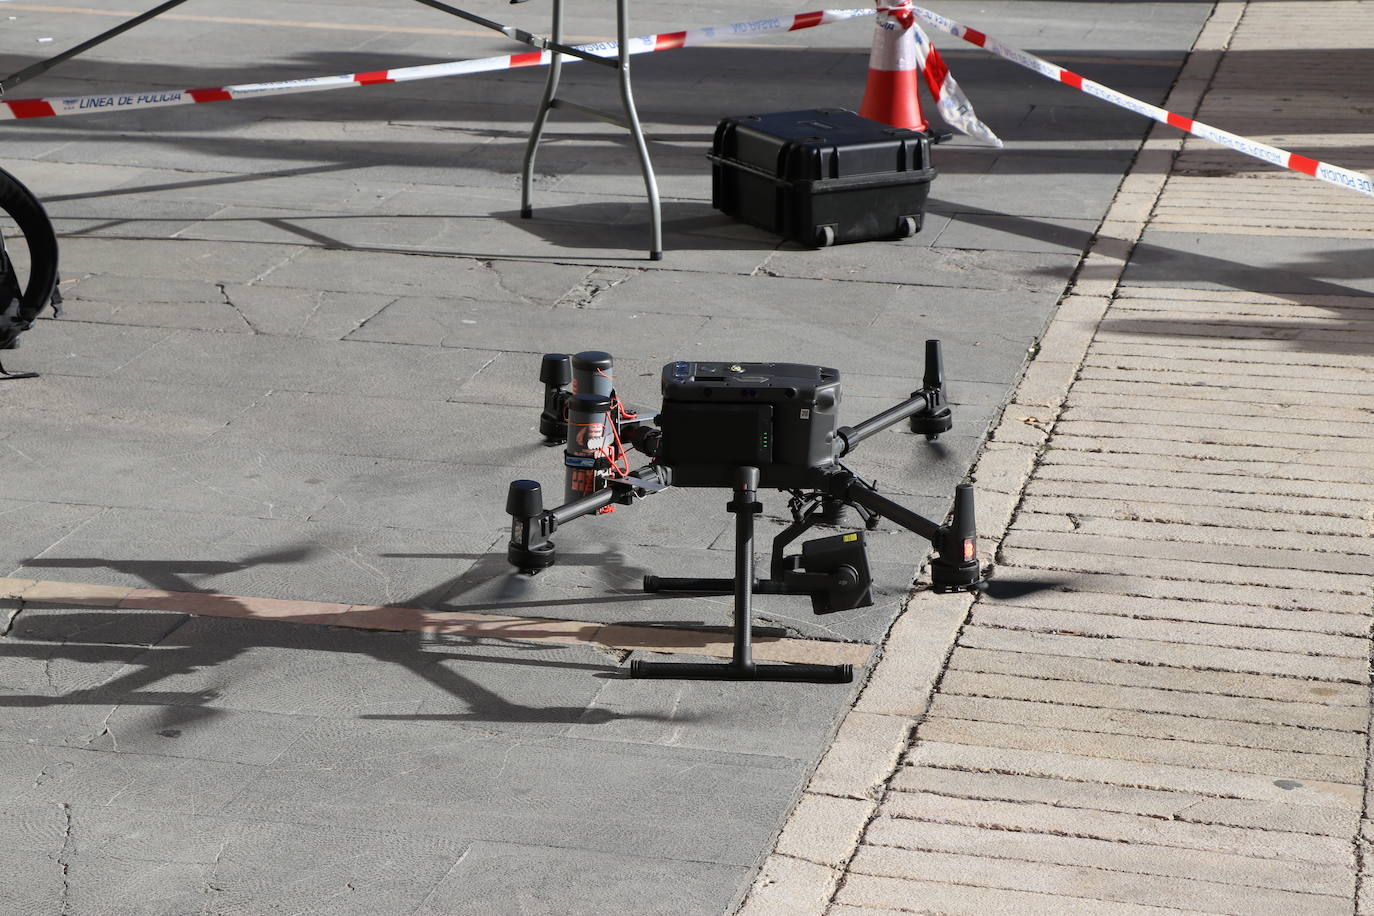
point(893, 73)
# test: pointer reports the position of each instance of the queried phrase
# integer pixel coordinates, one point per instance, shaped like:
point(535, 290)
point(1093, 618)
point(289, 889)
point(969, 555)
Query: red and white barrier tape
point(666, 41)
point(954, 106)
point(950, 100)
point(1345, 178)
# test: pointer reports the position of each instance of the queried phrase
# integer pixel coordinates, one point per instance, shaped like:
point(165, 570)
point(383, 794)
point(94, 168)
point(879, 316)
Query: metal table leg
point(629, 120)
point(541, 114)
point(646, 168)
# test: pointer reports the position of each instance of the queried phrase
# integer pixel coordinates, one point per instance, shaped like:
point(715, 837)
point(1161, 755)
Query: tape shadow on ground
point(413, 651)
point(422, 655)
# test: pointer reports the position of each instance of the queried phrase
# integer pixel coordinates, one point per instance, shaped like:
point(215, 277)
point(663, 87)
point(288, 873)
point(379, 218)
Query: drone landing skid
point(737, 670)
point(741, 666)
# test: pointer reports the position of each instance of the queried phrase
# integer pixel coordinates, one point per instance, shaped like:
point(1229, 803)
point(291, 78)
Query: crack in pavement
point(63, 857)
point(12, 617)
point(228, 300)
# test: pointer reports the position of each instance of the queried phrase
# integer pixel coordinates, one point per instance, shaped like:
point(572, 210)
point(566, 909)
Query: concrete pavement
point(1162, 704)
point(263, 653)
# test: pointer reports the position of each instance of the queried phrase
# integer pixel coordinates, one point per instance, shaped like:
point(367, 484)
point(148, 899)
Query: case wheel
point(908, 226)
point(825, 236)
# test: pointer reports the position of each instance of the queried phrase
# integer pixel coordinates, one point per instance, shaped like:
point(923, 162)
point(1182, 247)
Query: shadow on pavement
point(1296, 281)
point(77, 636)
point(429, 658)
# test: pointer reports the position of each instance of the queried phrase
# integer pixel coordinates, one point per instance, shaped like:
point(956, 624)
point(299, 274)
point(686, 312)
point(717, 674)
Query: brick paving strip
point(491, 627)
point(1179, 724)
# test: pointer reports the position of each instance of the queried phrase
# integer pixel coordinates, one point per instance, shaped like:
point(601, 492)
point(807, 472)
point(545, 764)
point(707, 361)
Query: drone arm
point(530, 549)
point(639, 483)
point(587, 505)
point(927, 408)
point(856, 491)
point(850, 436)
point(955, 566)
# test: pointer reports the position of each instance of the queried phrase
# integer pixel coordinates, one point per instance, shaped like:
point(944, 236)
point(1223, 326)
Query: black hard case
point(821, 176)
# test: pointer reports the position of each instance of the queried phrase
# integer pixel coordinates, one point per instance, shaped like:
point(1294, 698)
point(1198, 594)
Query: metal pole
point(541, 115)
point(520, 35)
point(15, 79)
point(622, 27)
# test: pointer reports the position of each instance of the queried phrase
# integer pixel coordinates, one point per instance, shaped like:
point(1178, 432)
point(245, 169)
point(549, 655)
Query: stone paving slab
point(1222, 468)
point(381, 307)
point(1156, 652)
point(1096, 884)
point(1056, 819)
point(1135, 674)
point(1210, 754)
point(1125, 582)
point(1064, 501)
point(1203, 570)
point(1198, 808)
point(1108, 696)
point(1026, 616)
point(1152, 599)
point(498, 877)
point(1150, 611)
point(872, 894)
point(1140, 858)
point(1259, 557)
point(1075, 768)
point(1276, 461)
point(1170, 725)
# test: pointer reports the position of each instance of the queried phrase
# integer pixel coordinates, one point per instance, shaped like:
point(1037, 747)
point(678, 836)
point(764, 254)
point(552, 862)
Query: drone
point(742, 427)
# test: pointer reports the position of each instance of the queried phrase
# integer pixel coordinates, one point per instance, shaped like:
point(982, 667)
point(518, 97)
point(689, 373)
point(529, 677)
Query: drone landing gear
point(741, 666)
point(832, 570)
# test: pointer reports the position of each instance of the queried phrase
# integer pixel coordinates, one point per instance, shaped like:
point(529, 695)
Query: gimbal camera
point(742, 426)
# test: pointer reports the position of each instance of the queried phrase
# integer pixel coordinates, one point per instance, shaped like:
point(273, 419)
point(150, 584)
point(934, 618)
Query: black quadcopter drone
point(746, 427)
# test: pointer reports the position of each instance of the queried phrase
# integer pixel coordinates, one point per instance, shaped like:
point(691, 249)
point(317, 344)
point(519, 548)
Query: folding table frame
point(628, 118)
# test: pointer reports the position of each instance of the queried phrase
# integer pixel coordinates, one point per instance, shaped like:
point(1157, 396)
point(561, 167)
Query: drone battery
point(821, 176)
point(777, 417)
point(737, 435)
